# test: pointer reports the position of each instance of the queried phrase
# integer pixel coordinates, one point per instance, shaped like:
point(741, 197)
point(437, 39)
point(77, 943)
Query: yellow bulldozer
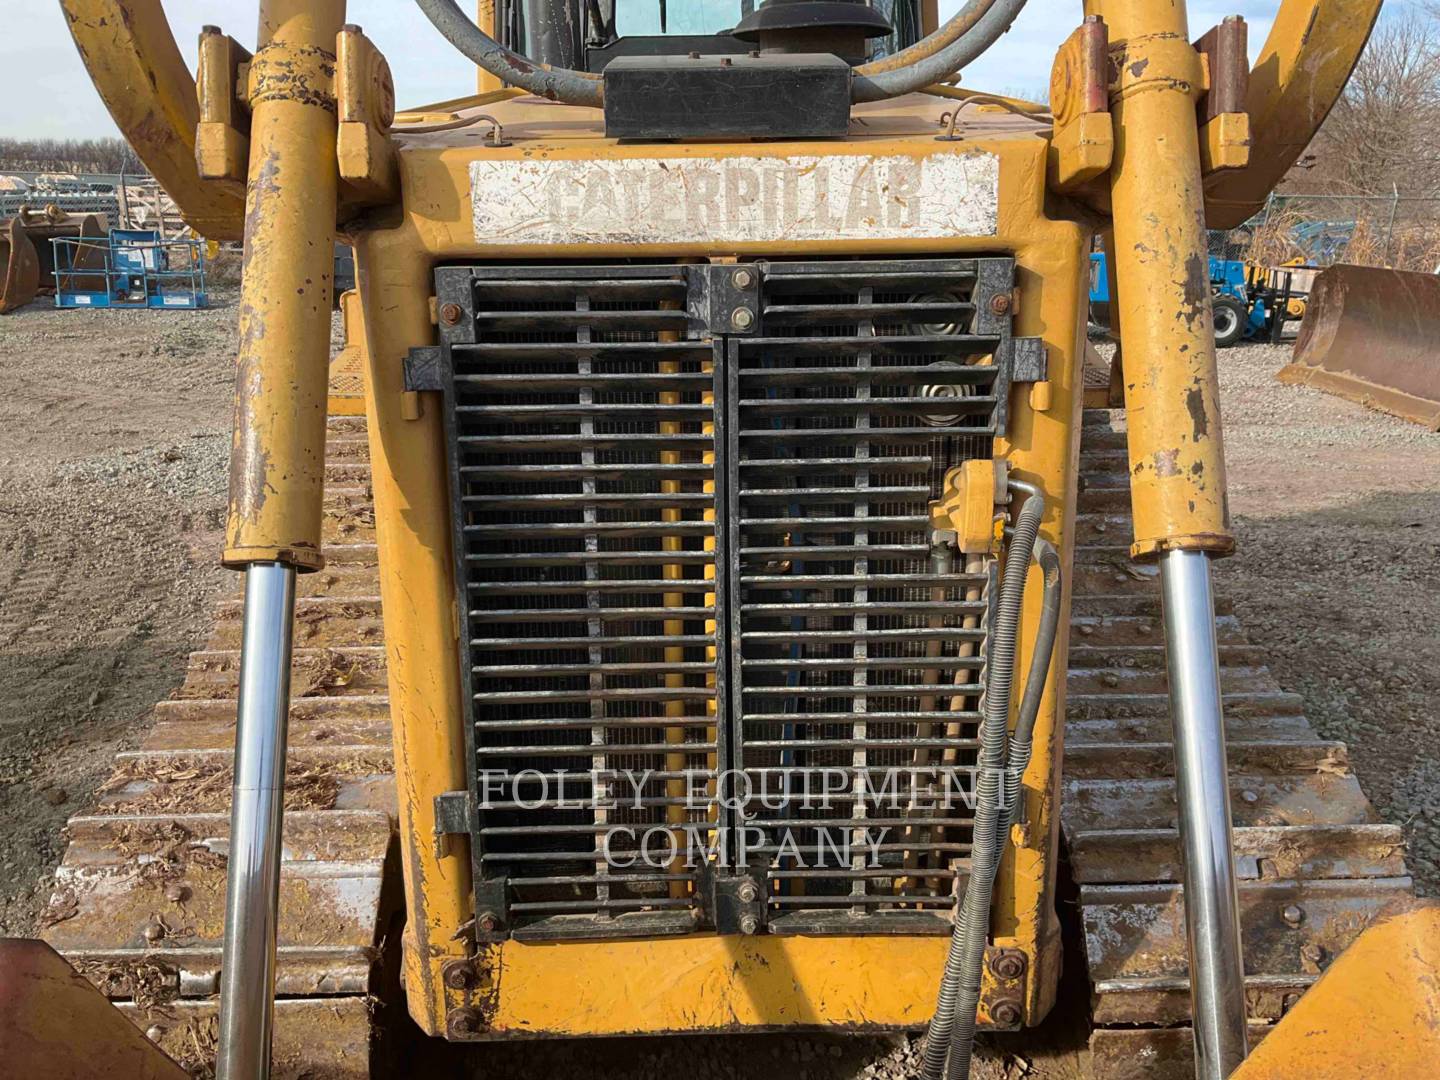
point(676, 626)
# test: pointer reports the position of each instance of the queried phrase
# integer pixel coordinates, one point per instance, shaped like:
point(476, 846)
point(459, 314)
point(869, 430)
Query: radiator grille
point(584, 445)
point(695, 563)
point(864, 390)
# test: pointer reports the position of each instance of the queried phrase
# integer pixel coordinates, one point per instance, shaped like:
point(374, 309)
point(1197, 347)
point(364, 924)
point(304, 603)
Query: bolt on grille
point(583, 447)
point(699, 564)
point(860, 646)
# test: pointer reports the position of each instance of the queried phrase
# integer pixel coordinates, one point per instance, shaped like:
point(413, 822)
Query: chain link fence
point(1398, 231)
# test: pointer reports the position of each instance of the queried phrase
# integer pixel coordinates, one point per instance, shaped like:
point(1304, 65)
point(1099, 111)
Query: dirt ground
point(114, 433)
point(113, 438)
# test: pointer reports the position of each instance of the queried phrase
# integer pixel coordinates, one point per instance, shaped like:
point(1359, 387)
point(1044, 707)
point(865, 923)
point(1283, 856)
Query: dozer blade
point(1369, 335)
point(1373, 1014)
point(54, 1024)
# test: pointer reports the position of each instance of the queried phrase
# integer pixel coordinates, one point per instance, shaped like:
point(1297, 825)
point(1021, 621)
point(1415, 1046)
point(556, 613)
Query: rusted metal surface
point(1301, 70)
point(27, 260)
point(139, 899)
point(1227, 59)
point(1370, 334)
point(1315, 866)
point(1150, 1053)
point(54, 1024)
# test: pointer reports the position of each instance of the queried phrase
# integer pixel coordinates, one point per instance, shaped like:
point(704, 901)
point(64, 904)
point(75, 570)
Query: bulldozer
point(725, 600)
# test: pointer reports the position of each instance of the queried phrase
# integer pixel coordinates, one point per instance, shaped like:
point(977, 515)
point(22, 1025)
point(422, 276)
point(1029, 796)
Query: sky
point(45, 92)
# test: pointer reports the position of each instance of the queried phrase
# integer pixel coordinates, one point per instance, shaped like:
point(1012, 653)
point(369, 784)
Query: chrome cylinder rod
point(247, 973)
point(1212, 910)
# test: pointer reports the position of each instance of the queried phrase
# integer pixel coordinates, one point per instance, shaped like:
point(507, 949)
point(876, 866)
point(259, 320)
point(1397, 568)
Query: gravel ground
point(1337, 511)
point(113, 444)
point(113, 435)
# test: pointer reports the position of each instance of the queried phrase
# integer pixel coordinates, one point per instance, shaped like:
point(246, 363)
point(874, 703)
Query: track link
point(1315, 864)
point(140, 894)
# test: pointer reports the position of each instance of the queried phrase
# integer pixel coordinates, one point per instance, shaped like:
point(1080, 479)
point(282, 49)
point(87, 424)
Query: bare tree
point(67, 155)
point(1385, 129)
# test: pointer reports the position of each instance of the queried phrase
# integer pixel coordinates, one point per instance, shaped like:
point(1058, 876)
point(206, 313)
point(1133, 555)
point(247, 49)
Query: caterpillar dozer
point(677, 625)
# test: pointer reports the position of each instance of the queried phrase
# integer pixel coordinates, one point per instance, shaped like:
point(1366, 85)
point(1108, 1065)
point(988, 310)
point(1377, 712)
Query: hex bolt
point(1008, 964)
point(155, 1033)
point(450, 314)
point(749, 924)
point(209, 29)
point(743, 279)
point(459, 975)
point(487, 921)
point(1293, 914)
point(154, 931)
point(464, 1021)
point(1006, 1012)
point(352, 28)
point(742, 318)
point(1313, 953)
point(176, 893)
point(747, 892)
point(1000, 303)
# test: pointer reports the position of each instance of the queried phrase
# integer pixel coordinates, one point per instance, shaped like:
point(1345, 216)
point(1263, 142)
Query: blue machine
point(1245, 304)
point(134, 268)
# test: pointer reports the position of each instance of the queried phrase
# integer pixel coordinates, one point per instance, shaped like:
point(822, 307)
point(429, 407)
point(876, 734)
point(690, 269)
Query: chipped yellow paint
point(1375, 1013)
point(417, 592)
point(277, 455)
point(721, 982)
point(1177, 463)
point(1302, 67)
point(137, 68)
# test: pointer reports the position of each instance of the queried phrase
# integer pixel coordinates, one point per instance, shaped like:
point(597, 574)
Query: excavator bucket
point(1369, 335)
point(28, 257)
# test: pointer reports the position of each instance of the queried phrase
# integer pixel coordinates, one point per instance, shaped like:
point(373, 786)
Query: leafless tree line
point(1384, 132)
point(67, 155)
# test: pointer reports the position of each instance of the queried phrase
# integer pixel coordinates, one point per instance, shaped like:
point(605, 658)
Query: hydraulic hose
point(938, 65)
point(966, 35)
point(952, 1028)
point(962, 22)
point(557, 84)
point(1022, 738)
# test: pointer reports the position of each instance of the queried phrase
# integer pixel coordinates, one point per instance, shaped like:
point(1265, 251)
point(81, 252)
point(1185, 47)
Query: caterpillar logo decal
point(682, 200)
